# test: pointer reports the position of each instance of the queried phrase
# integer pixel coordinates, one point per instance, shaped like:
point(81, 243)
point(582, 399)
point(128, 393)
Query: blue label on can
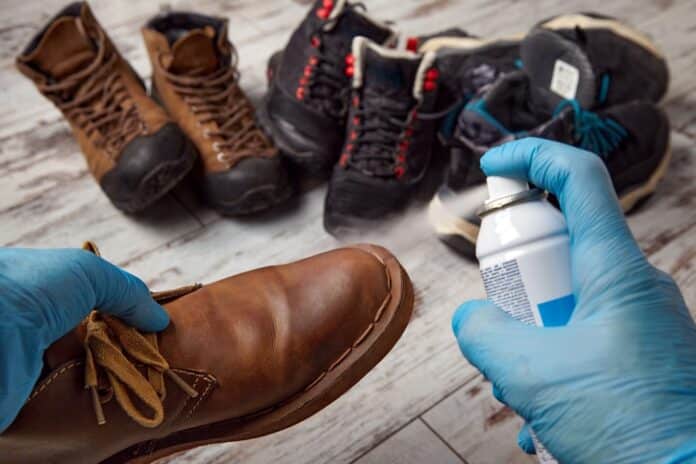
point(555, 313)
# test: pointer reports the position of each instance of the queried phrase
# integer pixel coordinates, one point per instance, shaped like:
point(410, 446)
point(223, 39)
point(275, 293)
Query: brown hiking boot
point(132, 148)
point(243, 357)
point(195, 77)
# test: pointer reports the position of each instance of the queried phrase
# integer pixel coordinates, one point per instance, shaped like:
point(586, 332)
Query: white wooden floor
point(423, 403)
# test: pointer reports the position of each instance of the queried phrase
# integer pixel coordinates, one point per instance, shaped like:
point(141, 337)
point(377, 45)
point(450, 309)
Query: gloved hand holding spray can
point(524, 255)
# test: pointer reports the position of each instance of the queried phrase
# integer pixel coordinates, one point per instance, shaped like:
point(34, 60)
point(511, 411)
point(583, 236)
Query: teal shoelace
point(593, 132)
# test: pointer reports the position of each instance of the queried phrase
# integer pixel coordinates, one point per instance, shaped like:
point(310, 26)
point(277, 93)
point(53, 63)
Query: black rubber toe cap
point(252, 185)
point(149, 166)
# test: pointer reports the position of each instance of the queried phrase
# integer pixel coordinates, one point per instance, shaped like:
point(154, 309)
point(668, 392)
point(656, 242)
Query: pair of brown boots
point(139, 147)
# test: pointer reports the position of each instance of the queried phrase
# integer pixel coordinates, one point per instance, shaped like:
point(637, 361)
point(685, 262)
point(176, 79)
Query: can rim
point(503, 202)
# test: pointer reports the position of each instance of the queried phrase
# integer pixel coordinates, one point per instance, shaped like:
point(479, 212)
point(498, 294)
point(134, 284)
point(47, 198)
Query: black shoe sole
point(157, 183)
point(254, 201)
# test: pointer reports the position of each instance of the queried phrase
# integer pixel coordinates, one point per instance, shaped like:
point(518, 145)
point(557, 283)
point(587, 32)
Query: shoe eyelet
point(206, 134)
point(221, 157)
point(216, 147)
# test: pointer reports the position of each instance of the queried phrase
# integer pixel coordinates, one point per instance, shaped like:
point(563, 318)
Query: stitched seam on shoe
point(200, 398)
point(52, 378)
point(363, 335)
point(188, 398)
point(185, 415)
point(149, 446)
point(321, 376)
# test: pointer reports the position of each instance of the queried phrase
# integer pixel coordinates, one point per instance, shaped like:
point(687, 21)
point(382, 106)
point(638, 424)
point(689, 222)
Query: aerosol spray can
point(524, 253)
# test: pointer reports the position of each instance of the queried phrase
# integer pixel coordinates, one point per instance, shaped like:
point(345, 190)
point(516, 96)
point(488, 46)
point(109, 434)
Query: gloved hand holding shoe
point(618, 383)
point(44, 294)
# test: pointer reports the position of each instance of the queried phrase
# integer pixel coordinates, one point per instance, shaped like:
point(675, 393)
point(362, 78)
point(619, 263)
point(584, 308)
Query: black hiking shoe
point(309, 84)
point(390, 143)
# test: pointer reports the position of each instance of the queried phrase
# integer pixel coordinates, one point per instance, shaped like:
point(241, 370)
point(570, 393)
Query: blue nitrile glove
point(618, 383)
point(46, 293)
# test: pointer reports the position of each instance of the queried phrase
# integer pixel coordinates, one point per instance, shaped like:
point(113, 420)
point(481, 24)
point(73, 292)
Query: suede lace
point(117, 355)
point(97, 101)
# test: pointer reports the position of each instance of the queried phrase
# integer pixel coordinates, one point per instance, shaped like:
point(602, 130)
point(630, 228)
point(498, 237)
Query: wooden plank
point(662, 218)
point(678, 258)
point(414, 444)
point(49, 199)
point(480, 428)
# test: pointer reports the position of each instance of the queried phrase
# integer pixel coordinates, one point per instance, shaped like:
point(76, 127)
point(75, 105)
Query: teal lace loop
point(593, 132)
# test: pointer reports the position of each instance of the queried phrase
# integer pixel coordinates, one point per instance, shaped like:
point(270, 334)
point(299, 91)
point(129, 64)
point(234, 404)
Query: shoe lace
point(218, 98)
point(96, 100)
point(113, 353)
point(325, 83)
point(593, 132)
point(382, 128)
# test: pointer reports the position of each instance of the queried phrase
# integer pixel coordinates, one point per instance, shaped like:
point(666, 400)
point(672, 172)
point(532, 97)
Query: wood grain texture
point(414, 444)
point(477, 426)
point(47, 198)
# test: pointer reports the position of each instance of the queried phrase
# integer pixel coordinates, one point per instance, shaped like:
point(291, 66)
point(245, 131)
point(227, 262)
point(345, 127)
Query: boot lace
point(593, 132)
point(381, 131)
point(116, 355)
point(325, 84)
point(217, 98)
point(98, 102)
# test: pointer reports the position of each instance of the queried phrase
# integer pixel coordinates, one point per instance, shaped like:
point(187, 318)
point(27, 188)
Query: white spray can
point(523, 250)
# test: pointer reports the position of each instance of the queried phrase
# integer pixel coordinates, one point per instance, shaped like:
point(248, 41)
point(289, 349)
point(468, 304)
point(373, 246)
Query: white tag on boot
point(565, 79)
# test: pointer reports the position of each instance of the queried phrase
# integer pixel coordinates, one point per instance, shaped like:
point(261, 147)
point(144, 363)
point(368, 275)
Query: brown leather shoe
point(195, 76)
point(132, 148)
point(243, 357)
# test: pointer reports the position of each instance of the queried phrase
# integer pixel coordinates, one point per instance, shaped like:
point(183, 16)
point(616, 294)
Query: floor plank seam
point(450, 447)
point(189, 210)
point(386, 437)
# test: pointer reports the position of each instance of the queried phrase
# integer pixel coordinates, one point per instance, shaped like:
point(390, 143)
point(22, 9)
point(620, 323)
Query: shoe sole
point(160, 181)
point(254, 201)
point(361, 358)
point(461, 235)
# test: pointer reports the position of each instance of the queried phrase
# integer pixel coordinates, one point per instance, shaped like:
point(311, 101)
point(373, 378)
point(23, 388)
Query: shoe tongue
point(558, 70)
point(390, 75)
point(195, 53)
point(64, 49)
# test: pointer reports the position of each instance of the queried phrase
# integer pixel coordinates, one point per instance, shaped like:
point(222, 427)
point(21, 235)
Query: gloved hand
point(618, 383)
point(46, 293)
